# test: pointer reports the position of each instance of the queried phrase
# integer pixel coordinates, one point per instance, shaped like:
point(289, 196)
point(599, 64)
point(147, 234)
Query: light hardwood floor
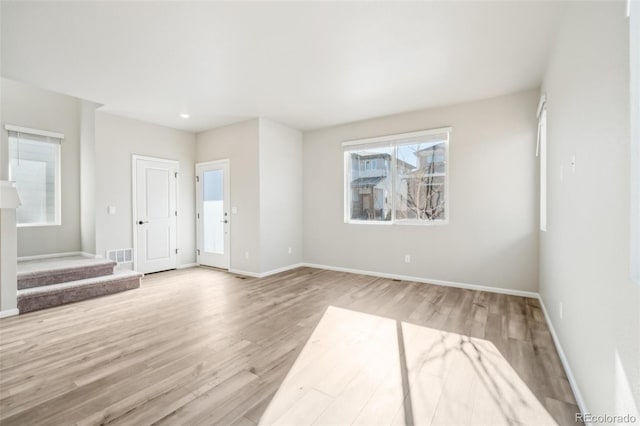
point(199, 346)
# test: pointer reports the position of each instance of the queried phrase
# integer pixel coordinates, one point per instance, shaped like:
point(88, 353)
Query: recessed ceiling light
point(185, 115)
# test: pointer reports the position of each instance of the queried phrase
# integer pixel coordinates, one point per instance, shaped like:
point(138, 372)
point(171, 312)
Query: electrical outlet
point(289, 250)
point(246, 255)
point(407, 258)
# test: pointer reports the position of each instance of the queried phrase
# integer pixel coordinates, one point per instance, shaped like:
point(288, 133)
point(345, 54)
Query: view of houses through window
point(370, 184)
point(400, 179)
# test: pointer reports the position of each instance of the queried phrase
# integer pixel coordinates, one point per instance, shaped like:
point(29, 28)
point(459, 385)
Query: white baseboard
point(187, 265)
point(511, 292)
point(91, 255)
point(53, 255)
point(283, 269)
point(564, 360)
point(9, 313)
point(467, 286)
point(244, 273)
point(268, 273)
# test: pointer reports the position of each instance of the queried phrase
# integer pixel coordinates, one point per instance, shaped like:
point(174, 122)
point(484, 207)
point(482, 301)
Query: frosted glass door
point(213, 212)
point(212, 188)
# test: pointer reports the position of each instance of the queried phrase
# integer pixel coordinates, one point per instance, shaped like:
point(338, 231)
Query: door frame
point(227, 190)
point(134, 207)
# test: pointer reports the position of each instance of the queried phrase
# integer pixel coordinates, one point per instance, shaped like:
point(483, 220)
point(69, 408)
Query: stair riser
point(77, 294)
point(65, 276)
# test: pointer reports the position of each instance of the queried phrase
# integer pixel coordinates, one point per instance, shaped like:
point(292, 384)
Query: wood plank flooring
point(200, 346)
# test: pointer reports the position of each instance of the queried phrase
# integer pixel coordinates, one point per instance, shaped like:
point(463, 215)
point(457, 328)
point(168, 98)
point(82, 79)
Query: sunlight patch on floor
point(364, 369)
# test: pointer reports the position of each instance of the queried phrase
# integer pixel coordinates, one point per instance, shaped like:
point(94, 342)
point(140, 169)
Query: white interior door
point(155, 214)
point(212, 215)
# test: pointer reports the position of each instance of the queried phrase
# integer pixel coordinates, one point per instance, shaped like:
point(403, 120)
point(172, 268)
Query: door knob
point(140, 222)
point(224, 221)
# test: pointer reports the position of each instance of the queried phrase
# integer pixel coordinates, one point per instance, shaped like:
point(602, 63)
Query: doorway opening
point(212, 214)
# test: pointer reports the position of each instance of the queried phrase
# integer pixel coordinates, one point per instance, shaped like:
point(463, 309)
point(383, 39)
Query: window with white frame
point(398, 179)
point(34, 166)
point(633, 11)
point(542, 153)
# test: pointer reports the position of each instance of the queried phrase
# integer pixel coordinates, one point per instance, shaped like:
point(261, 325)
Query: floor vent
point(121, 255)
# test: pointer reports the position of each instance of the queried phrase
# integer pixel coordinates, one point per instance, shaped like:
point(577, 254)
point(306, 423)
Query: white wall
point(117, 139)
point(28, 106)
point(280, 155)
point(634, 58)
point(239, 143)
point(584, 255)
point(491, 238)
point(8, 255)
point(88, 177)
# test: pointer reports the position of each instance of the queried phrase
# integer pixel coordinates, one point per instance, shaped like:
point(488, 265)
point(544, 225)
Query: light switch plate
point(111, 210)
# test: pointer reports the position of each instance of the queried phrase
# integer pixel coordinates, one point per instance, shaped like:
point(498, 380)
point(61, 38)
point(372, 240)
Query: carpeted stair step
point(41, 297)
point(43, 272)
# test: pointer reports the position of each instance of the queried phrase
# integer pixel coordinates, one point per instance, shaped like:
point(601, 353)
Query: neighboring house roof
point(435, 147)
point(419, 174)
point(371, 154)
point(405, 165)
point(366, 181)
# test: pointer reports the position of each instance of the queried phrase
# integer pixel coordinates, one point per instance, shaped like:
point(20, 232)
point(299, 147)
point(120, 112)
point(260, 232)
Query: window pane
point(32, 165)
point(213, 214)
point(543, 168)
point(370, 184)
point(420, 180)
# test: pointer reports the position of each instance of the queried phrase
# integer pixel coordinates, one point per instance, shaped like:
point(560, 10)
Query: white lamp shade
point(8, 195)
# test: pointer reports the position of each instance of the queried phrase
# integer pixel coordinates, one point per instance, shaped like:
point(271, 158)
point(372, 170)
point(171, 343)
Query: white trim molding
point(9, 313)
point(46, 133)
point(268, 273)
point(279, 270)
point(541, 104)
point(243, 273)
point(54, 255)
point(397, 136)
point(511, 292)
point(565, 362)
point(187, 265)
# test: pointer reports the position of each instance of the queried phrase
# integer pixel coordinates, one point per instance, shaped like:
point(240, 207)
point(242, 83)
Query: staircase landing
point(36, 273)
point(45, 283)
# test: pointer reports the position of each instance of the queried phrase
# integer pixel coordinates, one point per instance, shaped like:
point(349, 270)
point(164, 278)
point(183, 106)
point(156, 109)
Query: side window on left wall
point(542, 153)
point(34, 166)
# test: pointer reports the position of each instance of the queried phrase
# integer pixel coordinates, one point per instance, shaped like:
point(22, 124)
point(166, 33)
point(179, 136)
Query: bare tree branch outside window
point(421, 176)
point(405, 180)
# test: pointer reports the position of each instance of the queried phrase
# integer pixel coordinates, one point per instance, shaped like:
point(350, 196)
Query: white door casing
point(212, 213)
point(155, 214)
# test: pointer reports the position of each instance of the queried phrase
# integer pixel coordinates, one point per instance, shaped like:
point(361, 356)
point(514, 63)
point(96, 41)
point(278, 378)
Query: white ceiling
point(307, 65)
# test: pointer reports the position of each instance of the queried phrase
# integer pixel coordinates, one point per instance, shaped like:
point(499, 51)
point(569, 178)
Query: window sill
point(37, 225)
point(421, 222)
point(398, 222)
point(369, 222)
